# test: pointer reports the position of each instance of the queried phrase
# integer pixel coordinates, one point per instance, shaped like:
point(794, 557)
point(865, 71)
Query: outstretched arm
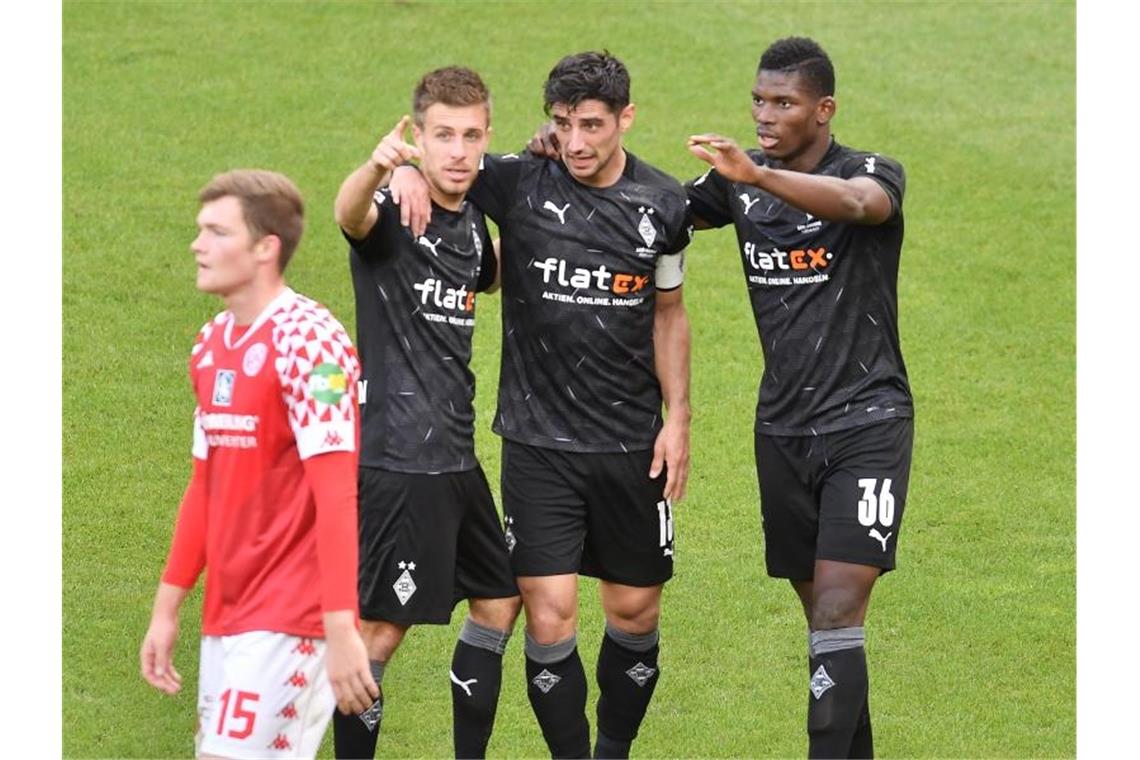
point(671, 341)
point(354, 210)
point(859, 200)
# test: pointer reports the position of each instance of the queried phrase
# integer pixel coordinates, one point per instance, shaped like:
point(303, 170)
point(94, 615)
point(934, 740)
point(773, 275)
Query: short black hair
point(588, 76)
point(802, 56)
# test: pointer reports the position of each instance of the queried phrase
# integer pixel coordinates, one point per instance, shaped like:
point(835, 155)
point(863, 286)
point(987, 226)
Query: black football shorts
point(427, 541)
point(837, 496)
point(596, 514)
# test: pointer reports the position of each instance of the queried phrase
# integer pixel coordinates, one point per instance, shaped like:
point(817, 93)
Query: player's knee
point(836, 608)
point(499, 614)
point(635, 622)
point(548, 624)
point(551, 611)
point(632, 610)
point(381, 639)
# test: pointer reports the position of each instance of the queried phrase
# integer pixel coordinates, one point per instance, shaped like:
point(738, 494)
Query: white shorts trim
point(262, 694)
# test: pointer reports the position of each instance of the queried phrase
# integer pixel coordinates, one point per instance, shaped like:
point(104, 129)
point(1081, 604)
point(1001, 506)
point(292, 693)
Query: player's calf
point(355, 736)
point(556, 688)
point(838, 691)
point(627, 675)
point(476, 678)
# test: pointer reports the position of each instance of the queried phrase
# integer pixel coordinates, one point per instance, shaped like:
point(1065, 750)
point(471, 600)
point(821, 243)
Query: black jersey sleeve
point(681, 234)
point(886, 171)
point(376, 244)
point(494, 188)
point(488, 264)
point(709, 198)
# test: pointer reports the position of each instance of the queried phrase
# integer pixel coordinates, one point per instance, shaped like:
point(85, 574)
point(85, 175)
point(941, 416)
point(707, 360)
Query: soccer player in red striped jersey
point(270, 511)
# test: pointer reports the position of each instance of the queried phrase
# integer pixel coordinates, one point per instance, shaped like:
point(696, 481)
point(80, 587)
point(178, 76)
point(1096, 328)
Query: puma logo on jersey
point(465, 685)
point(875, 534)
point(748, 202)
point(870, 167)
point(561, 212)
point(430, 245)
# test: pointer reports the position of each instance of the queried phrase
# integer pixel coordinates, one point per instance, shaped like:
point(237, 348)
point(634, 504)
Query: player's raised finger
point(401, 127)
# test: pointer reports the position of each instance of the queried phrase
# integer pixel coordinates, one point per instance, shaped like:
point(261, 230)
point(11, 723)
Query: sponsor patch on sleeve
point(328, 383)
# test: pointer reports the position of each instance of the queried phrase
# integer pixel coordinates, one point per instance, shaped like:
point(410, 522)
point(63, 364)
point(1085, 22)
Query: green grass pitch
point(971, 642)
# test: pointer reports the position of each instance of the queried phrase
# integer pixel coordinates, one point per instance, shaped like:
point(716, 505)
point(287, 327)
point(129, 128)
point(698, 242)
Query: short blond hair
point(270, 204)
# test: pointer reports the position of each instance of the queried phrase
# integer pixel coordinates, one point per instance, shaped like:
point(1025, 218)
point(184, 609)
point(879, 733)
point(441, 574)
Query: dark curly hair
point(802, 56)
point(588, 76)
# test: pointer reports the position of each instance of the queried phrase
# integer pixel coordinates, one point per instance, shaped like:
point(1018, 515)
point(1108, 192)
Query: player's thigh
point(544, 510)
point(482, 561)
point(262, 693)
point(864, 493)
point(789, 506)
point(631, 524)
point(408, 528)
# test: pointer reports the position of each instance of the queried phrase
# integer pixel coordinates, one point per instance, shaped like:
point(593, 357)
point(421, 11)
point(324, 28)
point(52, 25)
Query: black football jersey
point(824, 296)
point(579, 276)
point(415, 316)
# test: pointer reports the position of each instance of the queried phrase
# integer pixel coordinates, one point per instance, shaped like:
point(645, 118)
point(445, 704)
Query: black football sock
point(354, 736)
point(863, 744)
point(556, 687)
point(476, 676)
point(838, 691)
point(627, 674)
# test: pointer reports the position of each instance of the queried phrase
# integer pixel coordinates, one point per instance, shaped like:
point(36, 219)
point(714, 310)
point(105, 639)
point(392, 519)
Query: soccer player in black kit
point(820, 227)
point(429, 532)
point(595, 338)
